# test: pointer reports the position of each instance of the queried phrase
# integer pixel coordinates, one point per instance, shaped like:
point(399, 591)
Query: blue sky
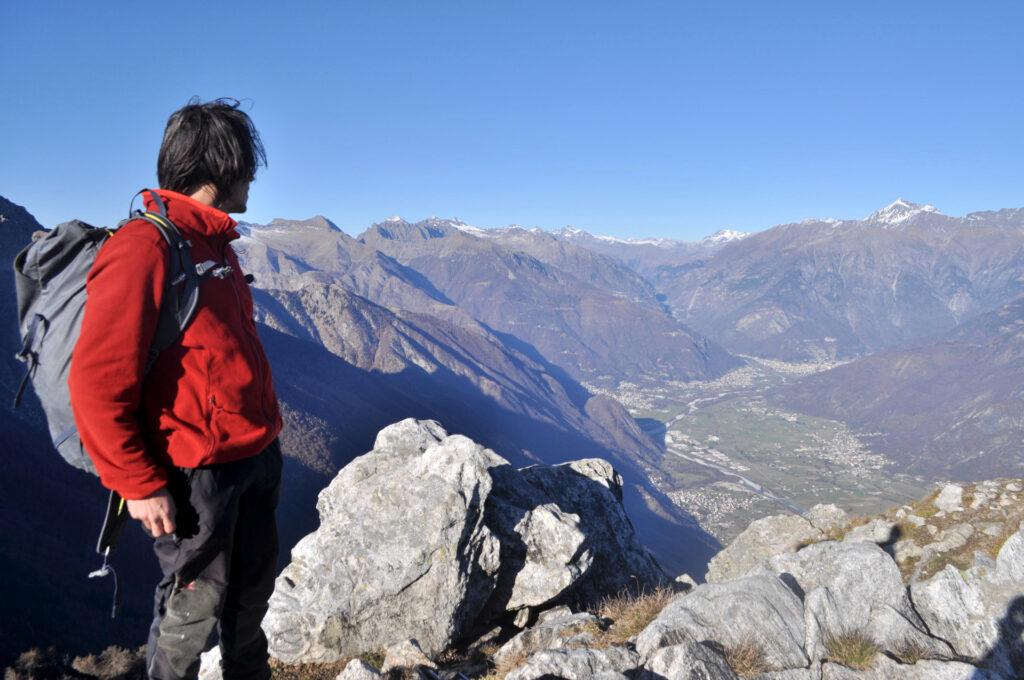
point(626, 118)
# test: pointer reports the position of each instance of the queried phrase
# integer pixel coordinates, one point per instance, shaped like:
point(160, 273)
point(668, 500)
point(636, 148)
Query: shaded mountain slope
point(951, 407)
point(345, 367)
point(580, 310)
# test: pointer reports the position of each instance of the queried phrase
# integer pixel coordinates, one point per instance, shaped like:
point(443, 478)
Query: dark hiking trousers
point(218, 568)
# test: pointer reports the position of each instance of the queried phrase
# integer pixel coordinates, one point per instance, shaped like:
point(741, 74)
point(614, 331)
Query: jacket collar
point(189, 214)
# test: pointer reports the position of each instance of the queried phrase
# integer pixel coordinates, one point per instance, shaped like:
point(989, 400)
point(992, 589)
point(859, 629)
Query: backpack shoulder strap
point(181, 287)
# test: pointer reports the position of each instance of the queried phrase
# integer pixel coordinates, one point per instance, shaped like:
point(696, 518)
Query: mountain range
point(503, 334)
point(827, 288)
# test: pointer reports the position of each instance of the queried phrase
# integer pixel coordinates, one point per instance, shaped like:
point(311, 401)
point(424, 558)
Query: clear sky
point(625, 118)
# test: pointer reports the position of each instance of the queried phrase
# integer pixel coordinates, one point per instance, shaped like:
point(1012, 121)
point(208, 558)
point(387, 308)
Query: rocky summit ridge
point(435, 558)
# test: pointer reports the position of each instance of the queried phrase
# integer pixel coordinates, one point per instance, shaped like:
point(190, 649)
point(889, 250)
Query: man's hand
point(156, 512)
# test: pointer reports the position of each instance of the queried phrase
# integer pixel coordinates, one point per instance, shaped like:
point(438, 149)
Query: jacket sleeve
point(124, 290)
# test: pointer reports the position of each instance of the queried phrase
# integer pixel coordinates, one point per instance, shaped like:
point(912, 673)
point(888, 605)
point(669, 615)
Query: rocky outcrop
point(759, 609)
point(853, 587)
point(550, 632)
point(832, 604)
point(980, 611)
point(431, 535)
point(762, 539)
point(688, 660)
point(578, 664)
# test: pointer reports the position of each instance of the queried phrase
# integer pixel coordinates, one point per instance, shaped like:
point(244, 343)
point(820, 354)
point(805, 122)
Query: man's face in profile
point(237, 199)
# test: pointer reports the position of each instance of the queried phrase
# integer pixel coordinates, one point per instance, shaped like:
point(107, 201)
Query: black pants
point(218, 568)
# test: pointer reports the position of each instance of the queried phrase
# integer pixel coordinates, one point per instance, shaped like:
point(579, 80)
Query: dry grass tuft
point(507, 665)
point(630, 613)
point(746, 658)
point(910, 651)
point(854, 649)
point(319, 671)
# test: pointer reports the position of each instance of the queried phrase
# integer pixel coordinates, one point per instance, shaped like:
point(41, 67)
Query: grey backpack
point(50, 278)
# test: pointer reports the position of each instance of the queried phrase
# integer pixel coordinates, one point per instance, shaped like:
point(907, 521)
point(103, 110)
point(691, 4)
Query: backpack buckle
point(214, 269)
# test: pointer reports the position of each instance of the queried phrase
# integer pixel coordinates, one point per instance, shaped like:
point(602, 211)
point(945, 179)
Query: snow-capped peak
point(395, 218)
point(900, 210)
point(724, 236)
point(570, 232)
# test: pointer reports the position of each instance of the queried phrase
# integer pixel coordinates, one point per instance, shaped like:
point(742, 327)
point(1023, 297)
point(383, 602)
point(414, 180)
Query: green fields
point(730, 456)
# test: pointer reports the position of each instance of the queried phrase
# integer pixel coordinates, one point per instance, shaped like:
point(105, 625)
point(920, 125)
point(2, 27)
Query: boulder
point(563, 527)
point(761, 539)
point(592, 490)
point(357, 669)
point(980, 612)
point(850, 587)
point(826, 518)
point(549, 633)
point(687, 661)
point(1010, 559)
point(950, 498)
point(756, 609)
point(406, 654)
point(402, 551)
point(209, 665)
point(554, 613)
point(430, 535)
point(878, 531)
point(612, 663)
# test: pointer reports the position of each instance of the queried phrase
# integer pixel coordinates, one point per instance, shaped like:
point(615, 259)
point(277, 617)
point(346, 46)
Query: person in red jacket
point(192, 445)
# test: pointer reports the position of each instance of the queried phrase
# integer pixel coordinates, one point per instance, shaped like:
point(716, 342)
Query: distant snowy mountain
point(723, 236)
point(826, 288)
point(900, 211)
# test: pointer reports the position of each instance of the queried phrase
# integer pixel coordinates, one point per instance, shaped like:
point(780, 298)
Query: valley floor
point(730, 456)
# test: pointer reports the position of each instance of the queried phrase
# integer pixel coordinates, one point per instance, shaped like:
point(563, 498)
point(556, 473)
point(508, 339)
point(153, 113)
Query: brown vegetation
point(854, 649)
point(630, 612)
point(910, 652)
point(962, 558)
point(746, 658)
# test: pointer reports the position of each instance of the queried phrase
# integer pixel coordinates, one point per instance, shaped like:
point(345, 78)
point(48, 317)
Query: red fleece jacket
point(209, 397)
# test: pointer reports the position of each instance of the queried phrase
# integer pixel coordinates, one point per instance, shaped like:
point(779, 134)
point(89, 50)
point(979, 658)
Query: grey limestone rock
point(357, 669)
point(547, 634)
point(853, 587)
point(405, 654)
point(825, 518)
point(591, 490)
point(884, 668)
point(431, 535)
point(813, 673)
point(687, 661)
point(950, 498)
point(877, 531)
point(1010, 560)
point(761, 539)
point(758, 608)
point(612, 663)
point(980, 612)
point(209, 665)
point(402, 551)
point(554, 613)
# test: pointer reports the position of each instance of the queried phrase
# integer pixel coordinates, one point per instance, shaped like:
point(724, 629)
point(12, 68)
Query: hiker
point(190, 441)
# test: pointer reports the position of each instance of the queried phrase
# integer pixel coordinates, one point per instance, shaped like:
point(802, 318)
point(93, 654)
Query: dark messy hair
point(212, 143)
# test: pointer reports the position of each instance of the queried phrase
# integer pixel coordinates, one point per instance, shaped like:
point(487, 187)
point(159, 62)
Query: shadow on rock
point(1008, 652)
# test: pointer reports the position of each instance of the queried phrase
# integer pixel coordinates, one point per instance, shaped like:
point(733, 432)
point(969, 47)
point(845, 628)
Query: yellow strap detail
point(159, 219)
